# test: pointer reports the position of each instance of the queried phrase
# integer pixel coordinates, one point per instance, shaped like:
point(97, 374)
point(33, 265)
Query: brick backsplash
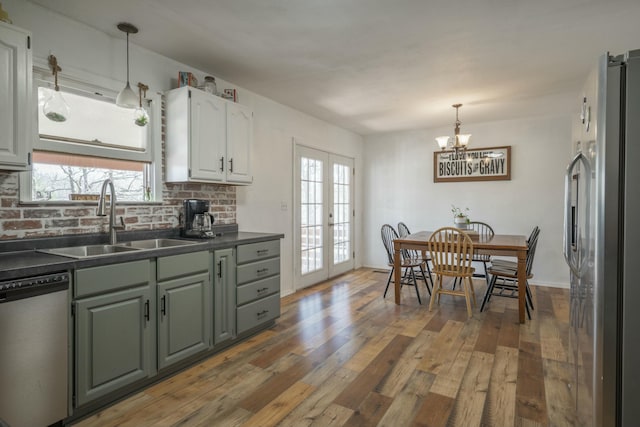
point(43, 220)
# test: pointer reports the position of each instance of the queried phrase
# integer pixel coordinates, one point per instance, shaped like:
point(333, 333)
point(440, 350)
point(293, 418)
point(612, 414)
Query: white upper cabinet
point(239, 142)
point(16, 117)
point(207, 129)
point(208, 138)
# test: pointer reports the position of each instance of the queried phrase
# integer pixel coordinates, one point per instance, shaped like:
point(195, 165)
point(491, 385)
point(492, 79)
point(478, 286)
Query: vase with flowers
point(460, 217)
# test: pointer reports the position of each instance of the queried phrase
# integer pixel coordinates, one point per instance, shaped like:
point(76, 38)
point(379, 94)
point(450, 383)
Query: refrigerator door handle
point(579, 266)
point(584, 242)
point(566, 249)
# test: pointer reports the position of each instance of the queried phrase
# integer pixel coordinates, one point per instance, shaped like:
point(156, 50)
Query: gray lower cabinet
point(258, 284)
point(114, 328)
point(134, 319)
point(224, 283)
point(184, 307)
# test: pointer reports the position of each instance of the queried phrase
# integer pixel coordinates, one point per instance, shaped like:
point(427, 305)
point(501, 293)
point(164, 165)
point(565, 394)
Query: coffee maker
point(198, 222)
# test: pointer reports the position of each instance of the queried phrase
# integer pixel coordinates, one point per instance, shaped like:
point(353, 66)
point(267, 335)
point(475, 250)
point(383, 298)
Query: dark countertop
point(25, 261)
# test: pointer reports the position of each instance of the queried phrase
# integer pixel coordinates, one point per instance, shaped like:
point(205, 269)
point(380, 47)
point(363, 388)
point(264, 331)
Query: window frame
point(85, 87)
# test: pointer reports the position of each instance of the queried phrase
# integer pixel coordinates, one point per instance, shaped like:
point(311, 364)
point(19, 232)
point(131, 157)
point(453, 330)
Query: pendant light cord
point(127, 58)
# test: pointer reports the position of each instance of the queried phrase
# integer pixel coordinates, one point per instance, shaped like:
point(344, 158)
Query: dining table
point(499, 244)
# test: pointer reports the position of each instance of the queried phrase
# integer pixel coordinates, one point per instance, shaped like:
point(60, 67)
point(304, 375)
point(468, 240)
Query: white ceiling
point(384, 65)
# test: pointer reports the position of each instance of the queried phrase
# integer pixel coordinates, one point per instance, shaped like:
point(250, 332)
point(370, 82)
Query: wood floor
point(341, 355)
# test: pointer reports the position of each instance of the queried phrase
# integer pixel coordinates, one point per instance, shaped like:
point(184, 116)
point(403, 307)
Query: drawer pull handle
point(261, 252)
point(262, 290)
point(262, 313)
point(262, 271)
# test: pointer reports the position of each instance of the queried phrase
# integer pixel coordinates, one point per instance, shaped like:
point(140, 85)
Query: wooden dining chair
point(451, 252)
point(485, 232)
point(403, 231)
point(504, 275)
point(407, 264)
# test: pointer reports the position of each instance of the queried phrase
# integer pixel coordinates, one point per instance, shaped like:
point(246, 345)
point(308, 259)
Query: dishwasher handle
point(28, 287)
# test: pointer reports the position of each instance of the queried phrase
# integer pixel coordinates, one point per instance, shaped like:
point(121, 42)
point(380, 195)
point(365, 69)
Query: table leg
point(522, 281)
point(397, 270)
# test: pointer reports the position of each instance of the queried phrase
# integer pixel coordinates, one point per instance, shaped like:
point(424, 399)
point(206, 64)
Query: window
point(99, 140)
point(57, 177)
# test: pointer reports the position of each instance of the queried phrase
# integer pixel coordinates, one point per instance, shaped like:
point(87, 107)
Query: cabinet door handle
point(220, 269)
point(231, 165)
point(163, 305)
point(146, 310)
point(222, 164)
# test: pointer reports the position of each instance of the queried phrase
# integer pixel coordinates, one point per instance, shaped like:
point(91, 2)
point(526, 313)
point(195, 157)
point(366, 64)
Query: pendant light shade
point(127, 97)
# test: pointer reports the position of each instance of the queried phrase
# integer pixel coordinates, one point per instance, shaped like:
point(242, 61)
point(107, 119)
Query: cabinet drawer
point(183, 265)
point(259, 289)
point(258, 312)
point(257, 270)
point(108, 278)
point(256, 251)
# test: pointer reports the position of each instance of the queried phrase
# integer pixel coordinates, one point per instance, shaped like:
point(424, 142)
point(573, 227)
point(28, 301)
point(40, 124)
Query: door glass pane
point(311, 211)
point(341, 209)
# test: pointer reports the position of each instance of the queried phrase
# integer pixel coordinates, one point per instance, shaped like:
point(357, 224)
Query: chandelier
point(459, 141)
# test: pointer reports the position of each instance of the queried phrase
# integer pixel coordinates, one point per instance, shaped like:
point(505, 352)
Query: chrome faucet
point(112, 208)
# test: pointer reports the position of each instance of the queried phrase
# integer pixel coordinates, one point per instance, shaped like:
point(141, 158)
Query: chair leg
point(415, 284)
point(529, 295)
point(486, 274)
point(388, 282)
point(426, 282)
point(473, 292)
point(435, 293)
point(429, 271)
point(467, 289)
point(487, 294)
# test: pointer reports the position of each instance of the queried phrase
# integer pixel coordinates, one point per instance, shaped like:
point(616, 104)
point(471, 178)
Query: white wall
point(95, 56)
point(398, 169)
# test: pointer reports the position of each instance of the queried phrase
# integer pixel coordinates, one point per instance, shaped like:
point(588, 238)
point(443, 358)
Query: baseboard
point(549, 284)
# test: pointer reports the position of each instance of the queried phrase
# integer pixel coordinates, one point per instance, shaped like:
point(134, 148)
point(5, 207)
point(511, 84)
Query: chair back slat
point(451, 251)
point(403, 230)
point(532, 241)
point(482, 228)
point(388, 236)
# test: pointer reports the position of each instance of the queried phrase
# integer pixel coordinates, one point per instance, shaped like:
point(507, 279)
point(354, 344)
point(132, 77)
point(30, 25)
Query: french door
point(324, 215)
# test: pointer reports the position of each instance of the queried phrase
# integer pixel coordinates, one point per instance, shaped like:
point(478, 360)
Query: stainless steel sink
point(89, 250)
point(156, 243)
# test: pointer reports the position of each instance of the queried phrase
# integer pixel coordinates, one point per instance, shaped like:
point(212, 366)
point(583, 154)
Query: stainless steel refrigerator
point(602, 246)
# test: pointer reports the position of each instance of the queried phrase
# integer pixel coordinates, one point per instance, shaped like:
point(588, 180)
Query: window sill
point(86, 203)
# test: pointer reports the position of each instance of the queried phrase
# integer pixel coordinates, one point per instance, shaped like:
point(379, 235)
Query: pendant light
point(55, 108)
point(140, 116)
point(127, 97)
point(459, 141)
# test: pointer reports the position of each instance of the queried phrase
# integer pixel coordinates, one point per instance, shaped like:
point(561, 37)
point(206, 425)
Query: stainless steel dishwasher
point(33, 350)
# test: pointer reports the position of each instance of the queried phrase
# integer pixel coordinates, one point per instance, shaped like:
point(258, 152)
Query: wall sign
point(481, 164)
